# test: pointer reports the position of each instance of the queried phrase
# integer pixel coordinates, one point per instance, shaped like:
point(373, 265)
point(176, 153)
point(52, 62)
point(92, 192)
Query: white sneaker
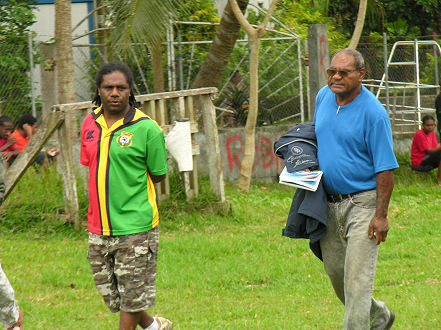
point(163, 323)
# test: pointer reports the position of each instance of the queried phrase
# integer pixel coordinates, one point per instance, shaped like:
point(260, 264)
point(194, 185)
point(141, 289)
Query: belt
point(336, 198)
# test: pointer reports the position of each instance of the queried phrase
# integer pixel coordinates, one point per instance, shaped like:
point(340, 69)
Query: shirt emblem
point(89, 136)
point(125, 139)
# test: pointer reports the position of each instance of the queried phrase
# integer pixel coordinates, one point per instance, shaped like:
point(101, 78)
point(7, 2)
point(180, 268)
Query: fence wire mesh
point(279, 76)
point(412, 82)
point(15, 85)
point(184, 53)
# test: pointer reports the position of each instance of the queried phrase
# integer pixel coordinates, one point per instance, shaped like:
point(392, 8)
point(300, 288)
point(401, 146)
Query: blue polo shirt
point(354, 143)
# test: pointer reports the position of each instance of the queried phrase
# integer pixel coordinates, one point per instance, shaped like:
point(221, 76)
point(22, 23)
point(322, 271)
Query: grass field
point(216, 271)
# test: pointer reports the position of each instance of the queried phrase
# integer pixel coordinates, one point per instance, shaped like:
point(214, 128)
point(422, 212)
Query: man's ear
point(362, 73)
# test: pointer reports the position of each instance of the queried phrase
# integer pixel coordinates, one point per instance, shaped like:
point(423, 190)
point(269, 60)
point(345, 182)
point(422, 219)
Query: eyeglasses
point(341, 73)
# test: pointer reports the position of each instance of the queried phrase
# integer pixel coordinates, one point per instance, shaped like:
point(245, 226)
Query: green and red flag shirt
point(122, 197)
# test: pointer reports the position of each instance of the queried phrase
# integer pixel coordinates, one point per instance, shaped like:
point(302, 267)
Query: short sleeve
point(380, 145)
point(84, 158)
point(156, 153)
point(434, 140)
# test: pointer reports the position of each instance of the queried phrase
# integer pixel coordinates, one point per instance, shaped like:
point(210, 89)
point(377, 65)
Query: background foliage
point(15, 19)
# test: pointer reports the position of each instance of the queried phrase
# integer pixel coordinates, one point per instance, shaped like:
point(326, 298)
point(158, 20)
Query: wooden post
point(213, 148)
point(318, 49)
point(67, 136)
point(189, 113)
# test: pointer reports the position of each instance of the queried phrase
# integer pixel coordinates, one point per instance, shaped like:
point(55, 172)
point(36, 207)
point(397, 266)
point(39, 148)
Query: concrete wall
point(266, 165)
point(232, 142)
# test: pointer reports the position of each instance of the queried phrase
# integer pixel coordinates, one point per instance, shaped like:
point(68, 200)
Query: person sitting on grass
point(27, 126)
point(8, 148)
point(425, 154)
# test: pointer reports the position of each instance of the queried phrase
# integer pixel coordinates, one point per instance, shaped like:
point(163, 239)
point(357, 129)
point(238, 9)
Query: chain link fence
point(280, 80)
point(281, 75)
point(409, 83)
point(15, 83)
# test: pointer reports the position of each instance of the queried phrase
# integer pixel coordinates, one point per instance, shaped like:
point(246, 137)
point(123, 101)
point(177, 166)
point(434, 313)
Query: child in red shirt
point(8, 148)
point(425, 154)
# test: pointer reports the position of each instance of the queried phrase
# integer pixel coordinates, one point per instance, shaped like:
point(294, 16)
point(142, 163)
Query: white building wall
point(45, 29)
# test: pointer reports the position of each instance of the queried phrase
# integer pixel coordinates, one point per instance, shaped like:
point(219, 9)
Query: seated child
point(8, 148)
point(27, 126)
point(425, 154)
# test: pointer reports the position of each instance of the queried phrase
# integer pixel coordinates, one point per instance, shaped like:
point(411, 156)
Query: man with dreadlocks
point(125, 152)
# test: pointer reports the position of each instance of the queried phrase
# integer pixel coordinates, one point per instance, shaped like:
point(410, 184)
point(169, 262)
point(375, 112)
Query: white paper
point(301, 179)
point(178, 144)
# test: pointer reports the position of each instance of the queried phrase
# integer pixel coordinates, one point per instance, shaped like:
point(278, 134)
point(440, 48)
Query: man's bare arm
point(379, 224)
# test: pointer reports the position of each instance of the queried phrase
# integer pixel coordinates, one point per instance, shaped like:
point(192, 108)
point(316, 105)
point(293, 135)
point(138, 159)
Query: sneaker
point(391, 321)
point(163, 323)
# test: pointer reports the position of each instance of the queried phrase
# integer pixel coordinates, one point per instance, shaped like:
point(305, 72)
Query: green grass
point(220, 270)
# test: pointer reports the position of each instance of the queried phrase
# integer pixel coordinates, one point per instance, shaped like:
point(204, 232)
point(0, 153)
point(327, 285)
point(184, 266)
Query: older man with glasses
point(355, 153)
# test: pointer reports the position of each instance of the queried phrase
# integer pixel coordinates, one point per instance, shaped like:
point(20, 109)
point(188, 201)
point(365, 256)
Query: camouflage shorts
point(124, 269)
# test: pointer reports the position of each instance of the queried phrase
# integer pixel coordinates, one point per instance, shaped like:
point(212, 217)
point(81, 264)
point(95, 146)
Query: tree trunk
point(254, 34)
point(358, 24)
point(158, 73)
point(246, 168)
point(64, 55)
point(100, 36)
point(66, 94)
point(211, 72)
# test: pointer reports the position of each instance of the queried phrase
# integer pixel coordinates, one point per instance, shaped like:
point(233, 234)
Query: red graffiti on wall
point(234, 159)
point(264, 151)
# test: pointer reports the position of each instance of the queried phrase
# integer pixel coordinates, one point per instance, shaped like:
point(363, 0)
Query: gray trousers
point(350, 259)
point(8, 306)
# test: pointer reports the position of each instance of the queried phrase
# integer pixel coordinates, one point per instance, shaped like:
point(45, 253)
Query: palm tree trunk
point(358, 24)
point(158, 73)
point(67, 134)
point(211, 72)
point(64, 54)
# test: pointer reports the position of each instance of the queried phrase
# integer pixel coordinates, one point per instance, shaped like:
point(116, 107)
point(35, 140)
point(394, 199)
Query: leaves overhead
point(141, 20)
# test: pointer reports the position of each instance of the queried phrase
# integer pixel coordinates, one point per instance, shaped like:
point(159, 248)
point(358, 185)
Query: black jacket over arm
point(308, 216)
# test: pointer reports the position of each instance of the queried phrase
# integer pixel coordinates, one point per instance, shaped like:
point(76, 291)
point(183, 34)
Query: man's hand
point(378, 228)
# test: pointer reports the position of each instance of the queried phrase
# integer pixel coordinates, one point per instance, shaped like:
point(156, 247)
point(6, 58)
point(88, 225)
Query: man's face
point(343, 77)
point(114, 93)
point(429, 126)
point(6, 129)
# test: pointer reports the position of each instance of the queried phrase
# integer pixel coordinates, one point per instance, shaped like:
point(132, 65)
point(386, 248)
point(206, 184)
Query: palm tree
point(147, 21)
point(211, 72)
point(66, 94)
point(143, 21)
point(63, 45)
